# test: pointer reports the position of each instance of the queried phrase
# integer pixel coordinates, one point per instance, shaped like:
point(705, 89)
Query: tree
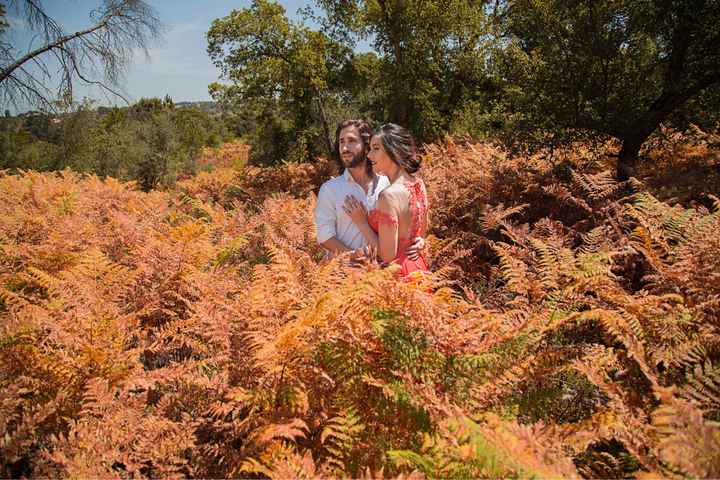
point(101, 50)
point(281, 67)
point(433, 54)
point(168, 102)
point(146, 107)
point(619, 67)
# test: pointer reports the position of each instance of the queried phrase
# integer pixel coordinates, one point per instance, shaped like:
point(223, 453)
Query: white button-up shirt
point(330, 218)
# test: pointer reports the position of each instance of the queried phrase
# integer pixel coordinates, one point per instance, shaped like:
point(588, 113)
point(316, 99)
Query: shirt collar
point(349, 178)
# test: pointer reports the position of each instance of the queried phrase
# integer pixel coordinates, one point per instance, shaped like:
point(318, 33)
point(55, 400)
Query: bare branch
point(56, 44)
point(97, 55)
point(30, 92)
point(94, 82)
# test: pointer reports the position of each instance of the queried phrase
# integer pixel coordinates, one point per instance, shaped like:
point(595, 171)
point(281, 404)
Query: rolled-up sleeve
point(325, 216)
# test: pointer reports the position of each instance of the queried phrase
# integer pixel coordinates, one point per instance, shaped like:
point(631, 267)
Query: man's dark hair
point(399, 144)
point(365, 134)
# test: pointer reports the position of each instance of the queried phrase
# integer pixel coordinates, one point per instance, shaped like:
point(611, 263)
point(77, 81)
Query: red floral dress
point(418, 227)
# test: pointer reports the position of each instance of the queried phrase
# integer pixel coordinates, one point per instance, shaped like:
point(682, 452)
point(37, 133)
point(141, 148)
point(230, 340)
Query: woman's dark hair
point(399, 144)
point(365, 134)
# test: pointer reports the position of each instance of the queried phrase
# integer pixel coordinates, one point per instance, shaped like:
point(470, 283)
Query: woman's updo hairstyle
point(399, 144)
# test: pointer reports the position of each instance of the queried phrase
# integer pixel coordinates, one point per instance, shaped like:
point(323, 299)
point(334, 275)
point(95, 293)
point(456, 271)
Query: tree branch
point(92, 82)
point(103, 48)
point(56, 44)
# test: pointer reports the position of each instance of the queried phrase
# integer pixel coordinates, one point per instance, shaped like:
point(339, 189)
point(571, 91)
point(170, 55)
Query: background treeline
point(530, 74)
point(152, 142)
point(526, 72)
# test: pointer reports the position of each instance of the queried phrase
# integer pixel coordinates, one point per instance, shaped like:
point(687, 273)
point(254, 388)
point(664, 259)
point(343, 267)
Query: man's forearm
point(334, 245)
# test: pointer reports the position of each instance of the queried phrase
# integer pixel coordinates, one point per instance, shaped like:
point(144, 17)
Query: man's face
point(351, 147)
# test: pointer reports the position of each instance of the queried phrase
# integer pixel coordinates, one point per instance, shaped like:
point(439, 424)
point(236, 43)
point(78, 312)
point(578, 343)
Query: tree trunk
point(326, 127)
point(398, 102)
point(635, 136)
point(672, 97)
point(628, 158)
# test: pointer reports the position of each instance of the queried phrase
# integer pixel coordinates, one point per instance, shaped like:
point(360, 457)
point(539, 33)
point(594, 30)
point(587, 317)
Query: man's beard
point(355, 161)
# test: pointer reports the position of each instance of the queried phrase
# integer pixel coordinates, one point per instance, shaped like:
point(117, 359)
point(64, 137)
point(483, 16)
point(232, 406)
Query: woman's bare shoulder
point(391, 197)
point(393, 191)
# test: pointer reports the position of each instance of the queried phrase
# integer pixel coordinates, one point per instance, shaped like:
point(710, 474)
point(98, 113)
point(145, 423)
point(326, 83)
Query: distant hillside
point(207, 106)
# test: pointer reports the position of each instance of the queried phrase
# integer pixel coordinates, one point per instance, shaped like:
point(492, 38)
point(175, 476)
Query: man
point(335, 230)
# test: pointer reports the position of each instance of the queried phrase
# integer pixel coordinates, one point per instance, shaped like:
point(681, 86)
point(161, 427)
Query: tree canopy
point(278, 65)
point(619, 67)
point(611, 67)
point(433, 55)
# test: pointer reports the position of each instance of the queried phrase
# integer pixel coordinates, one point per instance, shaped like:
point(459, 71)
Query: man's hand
point(364, 256)
point(413, 251)
point(334, 246)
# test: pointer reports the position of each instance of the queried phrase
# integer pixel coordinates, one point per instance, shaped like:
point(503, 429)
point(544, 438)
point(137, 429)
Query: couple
point(377, 202)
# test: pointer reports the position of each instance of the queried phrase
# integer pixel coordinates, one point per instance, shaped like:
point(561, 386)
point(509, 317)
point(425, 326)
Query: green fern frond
point(43, 279)
point(704, 386)
point(593, 240)
point(676, 223)
point(340, 436)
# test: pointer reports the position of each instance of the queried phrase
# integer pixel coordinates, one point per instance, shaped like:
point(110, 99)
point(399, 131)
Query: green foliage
point(283, 70)
point(432, 56)
point(151, 142)
point(463, 448)
point(529, 73)
point(18, 149)
point(429, 61)
point(564, 397)
point(615, 67)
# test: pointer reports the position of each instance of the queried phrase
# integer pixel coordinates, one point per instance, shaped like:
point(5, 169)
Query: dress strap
point(418, 206)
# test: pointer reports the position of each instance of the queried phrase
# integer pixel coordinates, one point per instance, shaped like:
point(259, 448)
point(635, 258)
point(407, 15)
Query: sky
point(178, 65)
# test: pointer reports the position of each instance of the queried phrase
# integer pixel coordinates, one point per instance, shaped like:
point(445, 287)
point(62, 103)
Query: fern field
point(573, 329)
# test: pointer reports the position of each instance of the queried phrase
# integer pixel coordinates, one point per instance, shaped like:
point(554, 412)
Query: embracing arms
point(386, 240)
point(325, 222)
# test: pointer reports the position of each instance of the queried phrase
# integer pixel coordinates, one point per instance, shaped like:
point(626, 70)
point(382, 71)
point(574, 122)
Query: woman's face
point(381, 162)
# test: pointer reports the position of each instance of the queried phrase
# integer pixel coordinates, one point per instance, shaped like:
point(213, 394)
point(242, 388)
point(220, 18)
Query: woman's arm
point(387, 228)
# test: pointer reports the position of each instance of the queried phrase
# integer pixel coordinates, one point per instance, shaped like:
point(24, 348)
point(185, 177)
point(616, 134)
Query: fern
point(704, 388)
point(340, 437)
point(202, 333)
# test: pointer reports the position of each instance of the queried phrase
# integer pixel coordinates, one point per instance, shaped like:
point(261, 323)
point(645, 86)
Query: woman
point(401, 211)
